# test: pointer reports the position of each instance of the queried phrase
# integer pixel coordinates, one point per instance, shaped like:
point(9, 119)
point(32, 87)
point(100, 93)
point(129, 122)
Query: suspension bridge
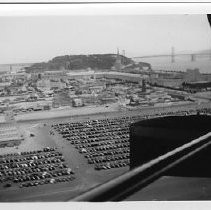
point(173, 55)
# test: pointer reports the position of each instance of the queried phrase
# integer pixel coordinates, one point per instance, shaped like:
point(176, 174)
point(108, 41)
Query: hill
point(76, 62)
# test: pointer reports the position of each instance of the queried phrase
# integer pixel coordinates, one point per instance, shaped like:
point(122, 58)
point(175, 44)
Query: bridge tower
point(172, 55)
point(193, 57)
point(210, 54)
point(123, 52)
point(10, 69)
point(123, 58)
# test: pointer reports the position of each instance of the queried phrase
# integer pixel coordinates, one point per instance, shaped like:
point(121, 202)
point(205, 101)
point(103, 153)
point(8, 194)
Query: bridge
point(173, 55)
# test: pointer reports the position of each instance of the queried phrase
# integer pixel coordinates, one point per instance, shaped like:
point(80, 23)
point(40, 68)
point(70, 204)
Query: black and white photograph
point(105, 107)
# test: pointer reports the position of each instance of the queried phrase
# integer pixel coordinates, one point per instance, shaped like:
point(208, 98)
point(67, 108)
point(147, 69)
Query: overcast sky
point(34, 39)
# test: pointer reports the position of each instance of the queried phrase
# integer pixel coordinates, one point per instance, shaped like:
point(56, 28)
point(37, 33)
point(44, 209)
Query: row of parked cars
point(33, 168)
point(47, 181)
point(105, 142)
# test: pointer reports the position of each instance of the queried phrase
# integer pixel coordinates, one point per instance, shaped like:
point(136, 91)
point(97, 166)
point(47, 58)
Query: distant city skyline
point(39, 39)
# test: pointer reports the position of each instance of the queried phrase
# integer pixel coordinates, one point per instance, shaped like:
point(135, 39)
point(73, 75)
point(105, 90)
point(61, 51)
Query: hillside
point(76, 62)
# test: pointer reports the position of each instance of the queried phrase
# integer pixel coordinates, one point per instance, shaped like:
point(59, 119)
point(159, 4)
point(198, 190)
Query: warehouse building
point(10, 137)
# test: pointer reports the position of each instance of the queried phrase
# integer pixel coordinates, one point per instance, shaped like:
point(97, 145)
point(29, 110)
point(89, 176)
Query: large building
point(43, 84)
point(192, 75)
point(197, 86)
point(77, 102)
point(57, 84)
point(10, 136)
point(109, 75)
point(47, 84)
point(61, 74)
point(206, 77)
point(167, 79)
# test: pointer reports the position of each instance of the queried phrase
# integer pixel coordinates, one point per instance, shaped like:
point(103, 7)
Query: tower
point(210, 54)
point(172, 55)
point(67, 65)
point(123, 52)
point(193, 57)
point(123, 58)
point(118, 62)
point(143, 85)
point(10, 69)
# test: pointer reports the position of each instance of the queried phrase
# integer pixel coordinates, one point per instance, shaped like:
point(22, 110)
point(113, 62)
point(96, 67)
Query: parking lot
point(105, 142)
point(93, 149)
point(34, 168)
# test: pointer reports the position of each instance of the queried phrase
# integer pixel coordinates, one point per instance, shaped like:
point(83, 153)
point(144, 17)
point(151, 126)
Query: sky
point(40, 38)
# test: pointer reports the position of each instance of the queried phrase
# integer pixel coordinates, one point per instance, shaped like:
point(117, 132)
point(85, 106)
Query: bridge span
point(193, 56)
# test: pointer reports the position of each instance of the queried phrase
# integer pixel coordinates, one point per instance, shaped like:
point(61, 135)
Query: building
point(92, 75)
point(167, 82)
point(206, 77)
point(57, 84)
point(87, 75)
point(10, 137)
point(107, 98)
point(97, 88)
point(127, 77)
point(47, 84)
point(61, 74)
point(77, 102)
point(167, 79)
point(197, 86)
point(43, 84)
point(4, 84)
point(192, 75)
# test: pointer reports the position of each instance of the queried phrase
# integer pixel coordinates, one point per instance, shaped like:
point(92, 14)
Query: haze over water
point(180, 64)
